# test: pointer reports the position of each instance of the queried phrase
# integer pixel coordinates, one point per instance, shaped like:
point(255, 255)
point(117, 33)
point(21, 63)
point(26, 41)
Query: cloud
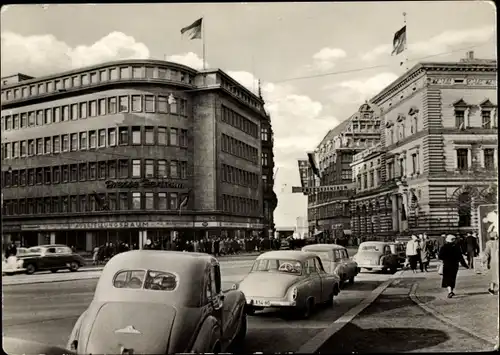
point(358, 90)
point(190, 59)
point(325, 59)
point(438, 44)
point(39, 55)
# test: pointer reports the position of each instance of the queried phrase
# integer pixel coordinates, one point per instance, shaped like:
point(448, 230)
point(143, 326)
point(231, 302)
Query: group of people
point(419, 250)
point(107, 250)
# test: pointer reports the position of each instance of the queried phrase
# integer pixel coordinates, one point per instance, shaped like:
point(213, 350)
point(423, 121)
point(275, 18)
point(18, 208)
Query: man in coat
point(472, 248)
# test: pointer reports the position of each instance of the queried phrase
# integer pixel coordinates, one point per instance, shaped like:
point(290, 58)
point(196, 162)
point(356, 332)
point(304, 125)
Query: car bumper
point(269, 302)
point(13, 271)
point(370, 266)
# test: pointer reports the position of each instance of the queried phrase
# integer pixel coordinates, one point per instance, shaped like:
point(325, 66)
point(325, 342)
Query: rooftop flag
point(399, 41)
point(194, 29)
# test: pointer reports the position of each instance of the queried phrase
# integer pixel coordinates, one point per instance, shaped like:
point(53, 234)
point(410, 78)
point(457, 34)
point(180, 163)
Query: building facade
point(329, 212)
point(437, 159)
point(129, 151)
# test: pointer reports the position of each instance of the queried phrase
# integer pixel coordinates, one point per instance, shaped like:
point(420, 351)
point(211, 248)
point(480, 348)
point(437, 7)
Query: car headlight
point(294, 293)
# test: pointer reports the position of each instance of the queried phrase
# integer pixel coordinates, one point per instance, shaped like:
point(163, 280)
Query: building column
point(40, 238)
point(143, 236)
point(469, 158)
point(394, 213)
point(89, 241)
point(52, 238)
point(495, 157)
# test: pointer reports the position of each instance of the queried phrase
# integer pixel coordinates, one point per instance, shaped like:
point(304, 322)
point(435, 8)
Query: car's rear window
point(278, 265)
point(370, 247)
point(35, 250)
point(145, 279)
point(323, 255)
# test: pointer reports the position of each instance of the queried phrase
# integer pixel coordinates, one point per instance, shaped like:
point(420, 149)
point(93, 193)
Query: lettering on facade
point(145, 183)
point(298, 189)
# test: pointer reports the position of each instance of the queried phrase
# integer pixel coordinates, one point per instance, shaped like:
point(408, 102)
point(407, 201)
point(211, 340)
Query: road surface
point(46, 312)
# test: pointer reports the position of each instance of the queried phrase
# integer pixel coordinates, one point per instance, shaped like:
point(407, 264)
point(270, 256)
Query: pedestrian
point(95, 260)
point(491, 261)
point(451, 256)
point(412, 252)
point(424, 254)
point(472, 247)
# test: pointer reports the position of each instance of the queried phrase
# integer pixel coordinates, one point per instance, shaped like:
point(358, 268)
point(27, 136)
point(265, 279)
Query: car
point(290, 280)
point(335, 259)
point(53, 257)
point(161, 302)
point(400, 250)
point(376, 255)
point(13, 264)
point(22, 346)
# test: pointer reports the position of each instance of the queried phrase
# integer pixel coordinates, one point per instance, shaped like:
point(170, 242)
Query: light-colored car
point(377, 256)
point(335, 259)
point(287, 279)
point(161, 302)
point(23, 346)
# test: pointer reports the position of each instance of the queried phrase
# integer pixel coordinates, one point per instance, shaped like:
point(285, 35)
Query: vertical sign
point(303, 165)
point(488, 223)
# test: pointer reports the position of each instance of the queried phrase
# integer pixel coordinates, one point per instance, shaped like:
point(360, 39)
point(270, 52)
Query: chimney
point(470, 55)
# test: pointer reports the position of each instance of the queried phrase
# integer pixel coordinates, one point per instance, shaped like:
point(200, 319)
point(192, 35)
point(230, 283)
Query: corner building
point(129, 151)
point(437, 160)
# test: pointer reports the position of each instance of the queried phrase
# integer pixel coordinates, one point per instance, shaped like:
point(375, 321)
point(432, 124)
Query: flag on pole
point(184, 202)
point(312, 162)
point(101, 203)
point(193, 30)
point(399, 41)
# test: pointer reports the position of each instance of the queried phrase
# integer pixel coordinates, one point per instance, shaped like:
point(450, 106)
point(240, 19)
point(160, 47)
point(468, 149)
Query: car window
point(160, 281)
point(324, 255)
point(215, 277)
point(344, 254)
point(369, 247)
point(35, 250)
point(387, 249)
point(63, 250)
point(208, 285)
point(129, 279)
point(277, 265)
point(50, 250)
point(336, 254)
point(310, 266)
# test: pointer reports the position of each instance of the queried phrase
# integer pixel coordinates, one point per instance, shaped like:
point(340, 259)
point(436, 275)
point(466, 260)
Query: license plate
point(261, 303)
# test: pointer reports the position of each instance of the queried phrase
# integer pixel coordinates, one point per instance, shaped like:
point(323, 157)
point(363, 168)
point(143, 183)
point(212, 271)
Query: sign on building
point(328, 188)
point(303, 165)
point(488, 223)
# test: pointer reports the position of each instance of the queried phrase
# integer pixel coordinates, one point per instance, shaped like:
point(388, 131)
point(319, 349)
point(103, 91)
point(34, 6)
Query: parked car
point(335, 259)
point(294, 280)
point(22, 346)
point(377, 256)
point(161, 302)
point(53, 257)
point(400, 250)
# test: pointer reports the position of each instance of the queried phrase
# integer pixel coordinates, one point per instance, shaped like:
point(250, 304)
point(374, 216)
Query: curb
point(444, 319)
point(313, 345)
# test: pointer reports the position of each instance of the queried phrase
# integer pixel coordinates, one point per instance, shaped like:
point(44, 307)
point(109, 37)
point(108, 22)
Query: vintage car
point(400, 250)
point(288, 279)
point(335, 259)
point(53, 257)
point(161, 302)
point(22, 346)
point(377, 255)
point(13, 264)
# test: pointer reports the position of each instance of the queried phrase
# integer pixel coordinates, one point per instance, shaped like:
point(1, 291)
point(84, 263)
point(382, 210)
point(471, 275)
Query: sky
point(318, 62)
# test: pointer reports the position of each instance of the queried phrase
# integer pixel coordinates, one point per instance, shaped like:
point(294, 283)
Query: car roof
point(298, 255)
point(322, 247)
point(51, 246)
point(375, 242)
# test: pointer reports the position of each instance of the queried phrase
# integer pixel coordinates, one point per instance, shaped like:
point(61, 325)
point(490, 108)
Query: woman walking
point(491, 260)
point(451, 255)
point(412, 252)
point(424, 254)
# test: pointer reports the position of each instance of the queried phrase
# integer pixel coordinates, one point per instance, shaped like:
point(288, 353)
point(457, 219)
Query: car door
point(344, 263)
point(325, 289)
point(337, 262)
point(314, 280)
point(63, 257)
point(48, 258)
point(387, 255)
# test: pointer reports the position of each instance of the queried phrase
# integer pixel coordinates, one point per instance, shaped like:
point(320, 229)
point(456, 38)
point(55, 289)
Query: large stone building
point(329, 211)
point(437, 159)
point(132, 150)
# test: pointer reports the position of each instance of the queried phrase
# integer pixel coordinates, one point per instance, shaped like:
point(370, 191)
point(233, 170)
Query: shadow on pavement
point(353, 339)
point(386, 304)
point(361, 286)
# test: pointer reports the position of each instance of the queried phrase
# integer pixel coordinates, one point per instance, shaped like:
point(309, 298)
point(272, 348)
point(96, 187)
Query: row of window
point(240, 205)
point(95, 108)
point(102, 170)
point(463, 162)
point(102, 138)
point(238, 121)
point(96, 77)
point(240, 177)
point(122, 201)
point(240, 149)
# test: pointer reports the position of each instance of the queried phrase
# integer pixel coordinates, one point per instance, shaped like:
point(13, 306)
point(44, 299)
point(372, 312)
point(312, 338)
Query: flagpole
point(203, 41)
point(406, 42)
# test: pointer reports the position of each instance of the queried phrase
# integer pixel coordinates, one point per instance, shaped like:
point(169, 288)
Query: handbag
point(440, 269)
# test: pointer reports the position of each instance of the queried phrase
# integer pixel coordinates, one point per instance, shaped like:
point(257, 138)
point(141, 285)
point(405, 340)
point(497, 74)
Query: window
point(136, 135)
point(15, 122)
point(41, 89)
point(65, 113)
point(123, 136)
point(73, 206)
point(23, 148)
point(32, 119)
point(462, 159)
point(149, 103)
point(149, 133)
point(85, 79)
point(48, 176)
point(136, 168)
point(162, 201)
point(39, 146)
point(489, 159)
point(93, 78)
point(83, 140)
point(102, 138)
point(50, 86)
point(136, 103)
point(83, 203)
point(123, 169)
point(183, 170)
point(24, 120)
point(92, 171)
point(182, 107)
point(15, 149)
point(460, 118)
point(149, 168)
point(173, 105)
point(136, 200)
point(74, 111)
point(74, 142)
point(112, 204)
point(83, 110)
point(174, 132)
point(486, 118)
point(162, 169)
point(112, 105)
point(57, 114)
point(149, 201)
point(39, 118)
point(111, 137)
point(102, 107)
point(83, 172)
point(174, 200)
point(150, 71)
point(65, 173)
point(31, 147)
point(112, 169)
point(123, 201)
point(103, 75)
point(31, 176)
point(56, 174)
point(76, 81)
point(57, 144)
point(264, 134)
point(174, 169)
point(124, 103)
point(265, 159)
point(39, 176)
point(101, 173)
point(113, 74)
point(93, 139)
point(162, 135)
point(124, 73)
point(138, 72)
point(162, 104)
point(93, 108)
point(48, 145)
point(184, 138)
point(162, 73)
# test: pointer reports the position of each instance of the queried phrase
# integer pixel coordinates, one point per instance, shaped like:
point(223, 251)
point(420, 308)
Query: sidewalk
point(472, 309)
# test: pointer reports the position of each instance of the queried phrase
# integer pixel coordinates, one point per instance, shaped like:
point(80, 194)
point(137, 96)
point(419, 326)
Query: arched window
point(464, 210)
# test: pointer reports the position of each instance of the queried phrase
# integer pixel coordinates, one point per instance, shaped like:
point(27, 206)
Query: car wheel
point(73, 266)
point(54, 270)
point(239, 339)
point(351, 280)
point(30, 269)
point(250, 310)
point(394, 269)
point(308, 308)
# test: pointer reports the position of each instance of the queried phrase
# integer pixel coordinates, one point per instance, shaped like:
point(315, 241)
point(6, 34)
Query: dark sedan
point(53, 257)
